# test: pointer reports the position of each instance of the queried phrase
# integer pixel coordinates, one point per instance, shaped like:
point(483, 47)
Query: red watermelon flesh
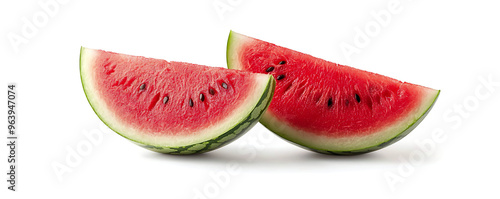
point(172, 105)
point(177, 81)
point(336, 107)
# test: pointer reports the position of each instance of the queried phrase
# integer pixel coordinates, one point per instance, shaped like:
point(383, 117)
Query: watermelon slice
point(173, 107)
point(327, 107)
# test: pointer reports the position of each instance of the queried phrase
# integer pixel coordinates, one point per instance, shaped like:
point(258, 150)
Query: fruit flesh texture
point(327, 107)
point(137, 96)
point(96, 67)
point(329, 99)
point(238, 130)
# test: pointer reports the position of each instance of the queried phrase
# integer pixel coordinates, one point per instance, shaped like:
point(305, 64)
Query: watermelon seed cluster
point(330, 101)
point(211, 91)
point(271, 69)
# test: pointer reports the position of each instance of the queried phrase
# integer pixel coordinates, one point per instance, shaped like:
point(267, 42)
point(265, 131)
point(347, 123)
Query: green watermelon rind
point(235, 132)
point(376, 147)
point(271, 123)
point(239, 129)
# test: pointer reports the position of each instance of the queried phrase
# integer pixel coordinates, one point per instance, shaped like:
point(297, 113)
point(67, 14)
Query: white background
point(446, 45)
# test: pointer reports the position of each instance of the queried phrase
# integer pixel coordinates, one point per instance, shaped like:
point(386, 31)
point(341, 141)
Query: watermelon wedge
point(327, 107)
point(173, 107)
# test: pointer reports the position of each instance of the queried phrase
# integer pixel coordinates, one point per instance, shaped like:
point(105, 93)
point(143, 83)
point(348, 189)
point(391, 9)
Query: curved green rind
point(366, 149)
point(237, 131)
point(232, 134)
point(228, 50)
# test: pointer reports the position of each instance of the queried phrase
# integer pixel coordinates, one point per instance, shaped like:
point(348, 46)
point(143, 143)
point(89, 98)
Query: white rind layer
point(352, 143)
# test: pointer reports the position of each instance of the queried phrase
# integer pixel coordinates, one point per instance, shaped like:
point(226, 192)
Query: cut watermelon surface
point(327, 107)
point(173, 107)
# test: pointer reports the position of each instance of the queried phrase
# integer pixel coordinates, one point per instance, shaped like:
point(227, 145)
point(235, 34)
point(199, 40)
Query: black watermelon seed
point(142, 87)
point(165, 99)
point(357, 98)
point(330, 102)
point(191, 102)
point(282, 62)
point(280, 77)
point(202, 97)
point(270, 69)
point(224, 85)
point(211, 91)
point(346, 102)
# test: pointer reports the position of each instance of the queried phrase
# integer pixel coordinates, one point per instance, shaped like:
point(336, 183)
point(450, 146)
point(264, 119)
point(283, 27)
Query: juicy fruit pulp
point(327, 107)
point(172, 107)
